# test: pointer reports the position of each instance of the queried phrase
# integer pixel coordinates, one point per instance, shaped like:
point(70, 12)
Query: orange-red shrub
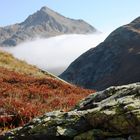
point(24, 97)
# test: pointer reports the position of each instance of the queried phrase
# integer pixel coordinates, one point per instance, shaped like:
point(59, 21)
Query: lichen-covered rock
point(112, 114)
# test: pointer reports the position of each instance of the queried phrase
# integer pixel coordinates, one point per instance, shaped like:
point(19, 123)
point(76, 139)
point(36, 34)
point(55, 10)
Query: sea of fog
point(56, 53)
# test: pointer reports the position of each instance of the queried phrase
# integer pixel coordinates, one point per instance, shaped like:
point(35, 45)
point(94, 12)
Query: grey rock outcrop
point(44, 23)
point(112, 114)
point(114, 62)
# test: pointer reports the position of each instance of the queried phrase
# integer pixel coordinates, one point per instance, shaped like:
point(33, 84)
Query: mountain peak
point(43, 23)
point(39, 17)
point(46, 9)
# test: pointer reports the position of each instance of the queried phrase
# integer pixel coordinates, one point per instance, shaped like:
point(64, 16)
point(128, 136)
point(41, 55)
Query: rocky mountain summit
point(44, 23)
point(113, 62)
point(112, 114)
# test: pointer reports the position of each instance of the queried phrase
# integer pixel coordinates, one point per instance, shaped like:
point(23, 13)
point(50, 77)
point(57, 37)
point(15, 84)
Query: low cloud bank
point(56, 53)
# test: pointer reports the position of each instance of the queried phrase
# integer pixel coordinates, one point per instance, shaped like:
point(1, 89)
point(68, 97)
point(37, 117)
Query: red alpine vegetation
point(25, 97)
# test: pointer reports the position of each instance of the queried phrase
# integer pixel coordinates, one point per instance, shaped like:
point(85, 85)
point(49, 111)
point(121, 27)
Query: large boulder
point(112, 114)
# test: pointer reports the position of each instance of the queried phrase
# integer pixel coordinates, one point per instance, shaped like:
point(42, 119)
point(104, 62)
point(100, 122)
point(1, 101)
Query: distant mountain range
point(116, 61)
point(44, 23)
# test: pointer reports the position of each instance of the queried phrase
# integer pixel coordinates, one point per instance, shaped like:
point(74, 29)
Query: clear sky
point(105, 15)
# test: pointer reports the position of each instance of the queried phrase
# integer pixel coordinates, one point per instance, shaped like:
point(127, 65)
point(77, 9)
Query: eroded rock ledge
point(112, 114)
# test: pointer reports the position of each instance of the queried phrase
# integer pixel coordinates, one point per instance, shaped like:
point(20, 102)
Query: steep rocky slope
point(116, 61)
point(44, 23)
point(112, 114)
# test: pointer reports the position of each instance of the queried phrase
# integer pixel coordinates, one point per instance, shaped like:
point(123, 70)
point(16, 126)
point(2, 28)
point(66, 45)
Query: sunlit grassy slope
point(9, 62)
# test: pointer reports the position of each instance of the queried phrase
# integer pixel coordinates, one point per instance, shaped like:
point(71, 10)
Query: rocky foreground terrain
point(116, 61)
point(112, 114)
point(43, 24)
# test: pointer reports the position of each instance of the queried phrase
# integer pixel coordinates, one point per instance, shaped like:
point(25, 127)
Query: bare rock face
point(44, 23)
point(112, 114)
point(116, 61)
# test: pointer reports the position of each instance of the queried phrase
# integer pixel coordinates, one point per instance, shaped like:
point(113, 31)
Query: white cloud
point(55, 53)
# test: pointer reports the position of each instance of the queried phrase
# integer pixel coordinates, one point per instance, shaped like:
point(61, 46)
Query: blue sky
point(105, 15)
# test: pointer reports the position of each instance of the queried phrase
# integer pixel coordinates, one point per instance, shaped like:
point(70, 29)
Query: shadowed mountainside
point(113, 62)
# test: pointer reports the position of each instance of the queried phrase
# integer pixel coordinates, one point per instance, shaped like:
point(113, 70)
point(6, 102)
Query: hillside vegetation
point(9, 62)
point(26, 92)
